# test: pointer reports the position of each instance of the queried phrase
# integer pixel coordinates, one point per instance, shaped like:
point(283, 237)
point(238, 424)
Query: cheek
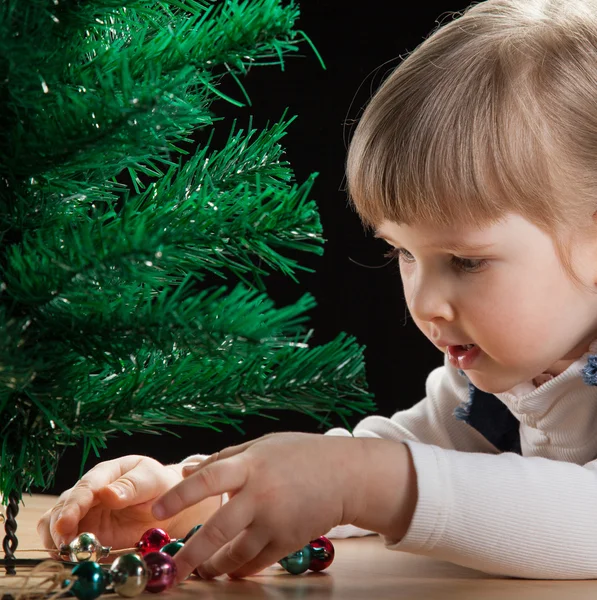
point(506, 311)
point(517, 315)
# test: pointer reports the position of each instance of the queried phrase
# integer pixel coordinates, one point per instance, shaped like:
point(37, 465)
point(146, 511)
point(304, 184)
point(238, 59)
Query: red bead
point(162, 571)
point(323, 554)
point(152, 540)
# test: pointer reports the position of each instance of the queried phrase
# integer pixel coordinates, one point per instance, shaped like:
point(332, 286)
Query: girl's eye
point(467, 265)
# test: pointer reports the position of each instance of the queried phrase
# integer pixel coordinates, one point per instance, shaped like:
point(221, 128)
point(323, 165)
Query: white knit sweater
point(531, 516)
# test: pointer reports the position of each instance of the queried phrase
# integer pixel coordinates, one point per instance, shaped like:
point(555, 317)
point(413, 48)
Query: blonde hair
point(495, 112)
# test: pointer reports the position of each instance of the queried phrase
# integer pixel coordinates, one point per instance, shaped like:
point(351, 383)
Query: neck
point(559, 367)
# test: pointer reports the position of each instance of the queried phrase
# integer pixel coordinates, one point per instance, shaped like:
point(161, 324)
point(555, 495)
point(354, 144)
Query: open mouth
point(463, 356)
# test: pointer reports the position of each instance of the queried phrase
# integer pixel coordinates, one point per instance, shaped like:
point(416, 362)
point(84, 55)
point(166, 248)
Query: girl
point(476, 161)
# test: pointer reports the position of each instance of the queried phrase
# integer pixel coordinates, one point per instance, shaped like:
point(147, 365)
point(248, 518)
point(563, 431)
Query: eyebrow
point(454, 246)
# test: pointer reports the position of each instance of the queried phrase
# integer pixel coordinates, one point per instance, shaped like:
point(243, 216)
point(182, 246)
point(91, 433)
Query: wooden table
point(362, 569)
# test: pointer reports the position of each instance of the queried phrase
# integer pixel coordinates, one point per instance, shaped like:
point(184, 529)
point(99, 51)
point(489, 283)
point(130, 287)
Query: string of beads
point(150, 566)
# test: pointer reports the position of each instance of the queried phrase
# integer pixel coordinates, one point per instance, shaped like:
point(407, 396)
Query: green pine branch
point(153, 390)
point(163, 68)
point(108, 322)
point(197, 222)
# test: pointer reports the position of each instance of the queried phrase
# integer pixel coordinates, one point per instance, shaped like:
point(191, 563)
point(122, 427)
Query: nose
point(429, 301)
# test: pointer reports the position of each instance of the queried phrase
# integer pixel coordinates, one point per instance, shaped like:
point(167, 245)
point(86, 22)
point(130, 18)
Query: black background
point(360, 43)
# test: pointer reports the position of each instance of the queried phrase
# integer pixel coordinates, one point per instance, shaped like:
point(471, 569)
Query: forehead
point(456, 236)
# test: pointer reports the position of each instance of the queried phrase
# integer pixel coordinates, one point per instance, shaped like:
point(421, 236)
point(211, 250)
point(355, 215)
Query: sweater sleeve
point(505, 514)
point(430, 421)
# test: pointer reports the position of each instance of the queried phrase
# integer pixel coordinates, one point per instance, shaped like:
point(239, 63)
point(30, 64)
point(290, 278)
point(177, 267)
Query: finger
point(233, 450)
point(230, 451)
point(59, 530)
point(269, 556)
point(46, 526)
point(217, 478)
point(193, 467)
point(83, 494)
point(219, 455)
point(222, 527)
point(135, 487)
point(236, 554)
point(43, 530)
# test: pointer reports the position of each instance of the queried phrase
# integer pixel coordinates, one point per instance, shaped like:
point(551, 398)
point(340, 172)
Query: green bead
point(90, 583)
point(172, 548)
point(191, 533)
point(298, 562)
point(129, 575)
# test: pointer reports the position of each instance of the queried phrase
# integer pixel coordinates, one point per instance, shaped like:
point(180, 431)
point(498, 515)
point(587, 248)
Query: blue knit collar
point(589, 371)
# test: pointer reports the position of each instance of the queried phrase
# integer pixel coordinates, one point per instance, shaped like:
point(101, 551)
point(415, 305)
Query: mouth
point(465, 347)
point(463, 356)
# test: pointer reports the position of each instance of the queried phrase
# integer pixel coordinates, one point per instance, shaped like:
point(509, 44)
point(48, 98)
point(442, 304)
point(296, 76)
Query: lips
point(461, 358)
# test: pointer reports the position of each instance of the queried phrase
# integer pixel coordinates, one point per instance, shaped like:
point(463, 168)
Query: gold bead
point(130, 575)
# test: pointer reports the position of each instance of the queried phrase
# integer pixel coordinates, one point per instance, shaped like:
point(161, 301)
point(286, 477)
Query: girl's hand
point(285, 490)
point(112, 500)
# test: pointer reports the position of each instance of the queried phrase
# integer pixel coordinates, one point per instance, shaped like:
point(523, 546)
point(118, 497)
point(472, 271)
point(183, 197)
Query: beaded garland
point(153, 569)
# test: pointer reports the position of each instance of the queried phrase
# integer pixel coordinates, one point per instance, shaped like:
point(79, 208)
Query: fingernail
point(118, 490)
point(188, 472)
point(204, 573)
point(159, 512)
point(190, 468)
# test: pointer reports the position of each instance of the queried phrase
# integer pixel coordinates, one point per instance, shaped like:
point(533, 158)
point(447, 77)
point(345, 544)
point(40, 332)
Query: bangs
point(449, 140)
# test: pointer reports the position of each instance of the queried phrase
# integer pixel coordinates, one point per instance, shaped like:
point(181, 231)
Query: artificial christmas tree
point(111, 317)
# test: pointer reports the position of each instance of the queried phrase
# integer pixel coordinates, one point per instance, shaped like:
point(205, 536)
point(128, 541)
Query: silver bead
point(85, 547)
point(129, 575)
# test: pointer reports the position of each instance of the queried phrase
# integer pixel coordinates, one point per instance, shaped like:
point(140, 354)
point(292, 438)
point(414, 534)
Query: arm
point(509, 515)
point(430, 421)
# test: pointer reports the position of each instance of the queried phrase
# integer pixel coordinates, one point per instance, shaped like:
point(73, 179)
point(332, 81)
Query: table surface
point(363, 568)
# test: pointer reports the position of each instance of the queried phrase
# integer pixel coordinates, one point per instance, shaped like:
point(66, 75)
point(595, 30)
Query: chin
point(489, 386)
